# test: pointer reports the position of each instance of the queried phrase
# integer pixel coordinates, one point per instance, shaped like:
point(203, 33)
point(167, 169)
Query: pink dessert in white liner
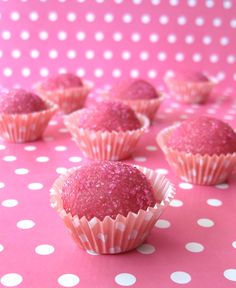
point(67, 90)
point(139, 94)
point(190, 87)
point(106, 131)
point(105, 209)
point(201, 150)
point(23, 115)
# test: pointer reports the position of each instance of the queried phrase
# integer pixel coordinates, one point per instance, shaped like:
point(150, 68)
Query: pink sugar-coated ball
point(191, 76)
point(106, 188)
point(203, 135)
point(109, 116)
point(61, 81)
point(133, 89)
point(19, 101)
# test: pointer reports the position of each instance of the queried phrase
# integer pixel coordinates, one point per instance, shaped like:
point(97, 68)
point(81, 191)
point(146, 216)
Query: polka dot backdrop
point(194, 241)
point(101, 40)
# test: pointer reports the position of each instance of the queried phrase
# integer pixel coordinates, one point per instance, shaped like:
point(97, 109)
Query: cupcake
point(107, 130)
point(190, 87)
point(23, 115)
point(138, 94)
point(67, 90)
point(200, 150)
point(110, 207)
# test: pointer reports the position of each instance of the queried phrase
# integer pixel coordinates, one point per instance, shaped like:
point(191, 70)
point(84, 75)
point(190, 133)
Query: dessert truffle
point(203, 135)
point(62, 81)
point(106, 188)
point(19, 101)
point(133, 89)
point(109, 116)
point(191, 76)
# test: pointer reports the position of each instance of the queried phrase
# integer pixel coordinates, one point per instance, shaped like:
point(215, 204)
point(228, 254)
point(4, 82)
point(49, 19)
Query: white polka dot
point(146, 249)
point(71, 54)
point(71, 17)
point(163, 224)
point(207, 40)
point(197, 57)
point(209, 3)
point(180, 277)
point(144, 55)
point(9, 203)
point(9, 158)
point(154, 38)
point(204, 222)
point(185, 185)
point(230, 274)
point(2, 147)
point(25, 224)
point(117, 36)
point(62, 35)
point(214, 202)
point(99, 36)
point(161, 56)
point(127, 18)
point(7, 72)
point(192, 3)
point(89, 54)
point(2, 185)
point(68, 280)
point(52, 16)
point(171, 38)
point(25, 35)
point(152, 74)
point(194, 247)
point(135, 37)
point(214, 58)
point(151, 148)
point(164, 19)
point(199, 21)
point(34, 16)
point(16, 54)
point(224, 41)
point(222, 186)
point(146, 18)
point(90, 17)
point(81, 72)
point(179, 57)
point(80, 36)
point(11, 279)
point(6, 35)
point(53, 54)
point(176, 203)
point(234, 244)
point(34, 53)
point(116, 73)
point(42, 159)
point(189, 39)
point(233, 23)
point(98, 73)
point(162, 171)
point(182, 20)
point(44, 249)
point(75, 159)
point(227, 4)
point(44, 72)
point(21, 171)
point(217, 22)
point(61, 170)
point(231, 59)
point(1, 247)
point(30, 148)
point(35, 186)
point(60, 148)
point(125, 279)
point(15, 16)
point(108, 17)
point(108, 55)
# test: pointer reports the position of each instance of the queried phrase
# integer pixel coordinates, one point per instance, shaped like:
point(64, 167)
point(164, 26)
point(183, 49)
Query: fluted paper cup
point(111, 236)
point(196, 168)
point(20, 128)
point(104, 145)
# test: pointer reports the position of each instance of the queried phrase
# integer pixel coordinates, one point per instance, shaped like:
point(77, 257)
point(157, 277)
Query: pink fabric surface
point(194, 242)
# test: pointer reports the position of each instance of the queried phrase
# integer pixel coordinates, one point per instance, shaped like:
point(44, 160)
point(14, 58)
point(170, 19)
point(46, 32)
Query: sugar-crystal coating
point(61, 81)
point(203, 135)
point(109, 116)
point(19, 101)
point(191, 76)
point(106, 188)
point(133, 89)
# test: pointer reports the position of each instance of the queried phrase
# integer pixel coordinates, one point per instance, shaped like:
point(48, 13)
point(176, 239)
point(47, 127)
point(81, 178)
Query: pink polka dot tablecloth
point(193, 244)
